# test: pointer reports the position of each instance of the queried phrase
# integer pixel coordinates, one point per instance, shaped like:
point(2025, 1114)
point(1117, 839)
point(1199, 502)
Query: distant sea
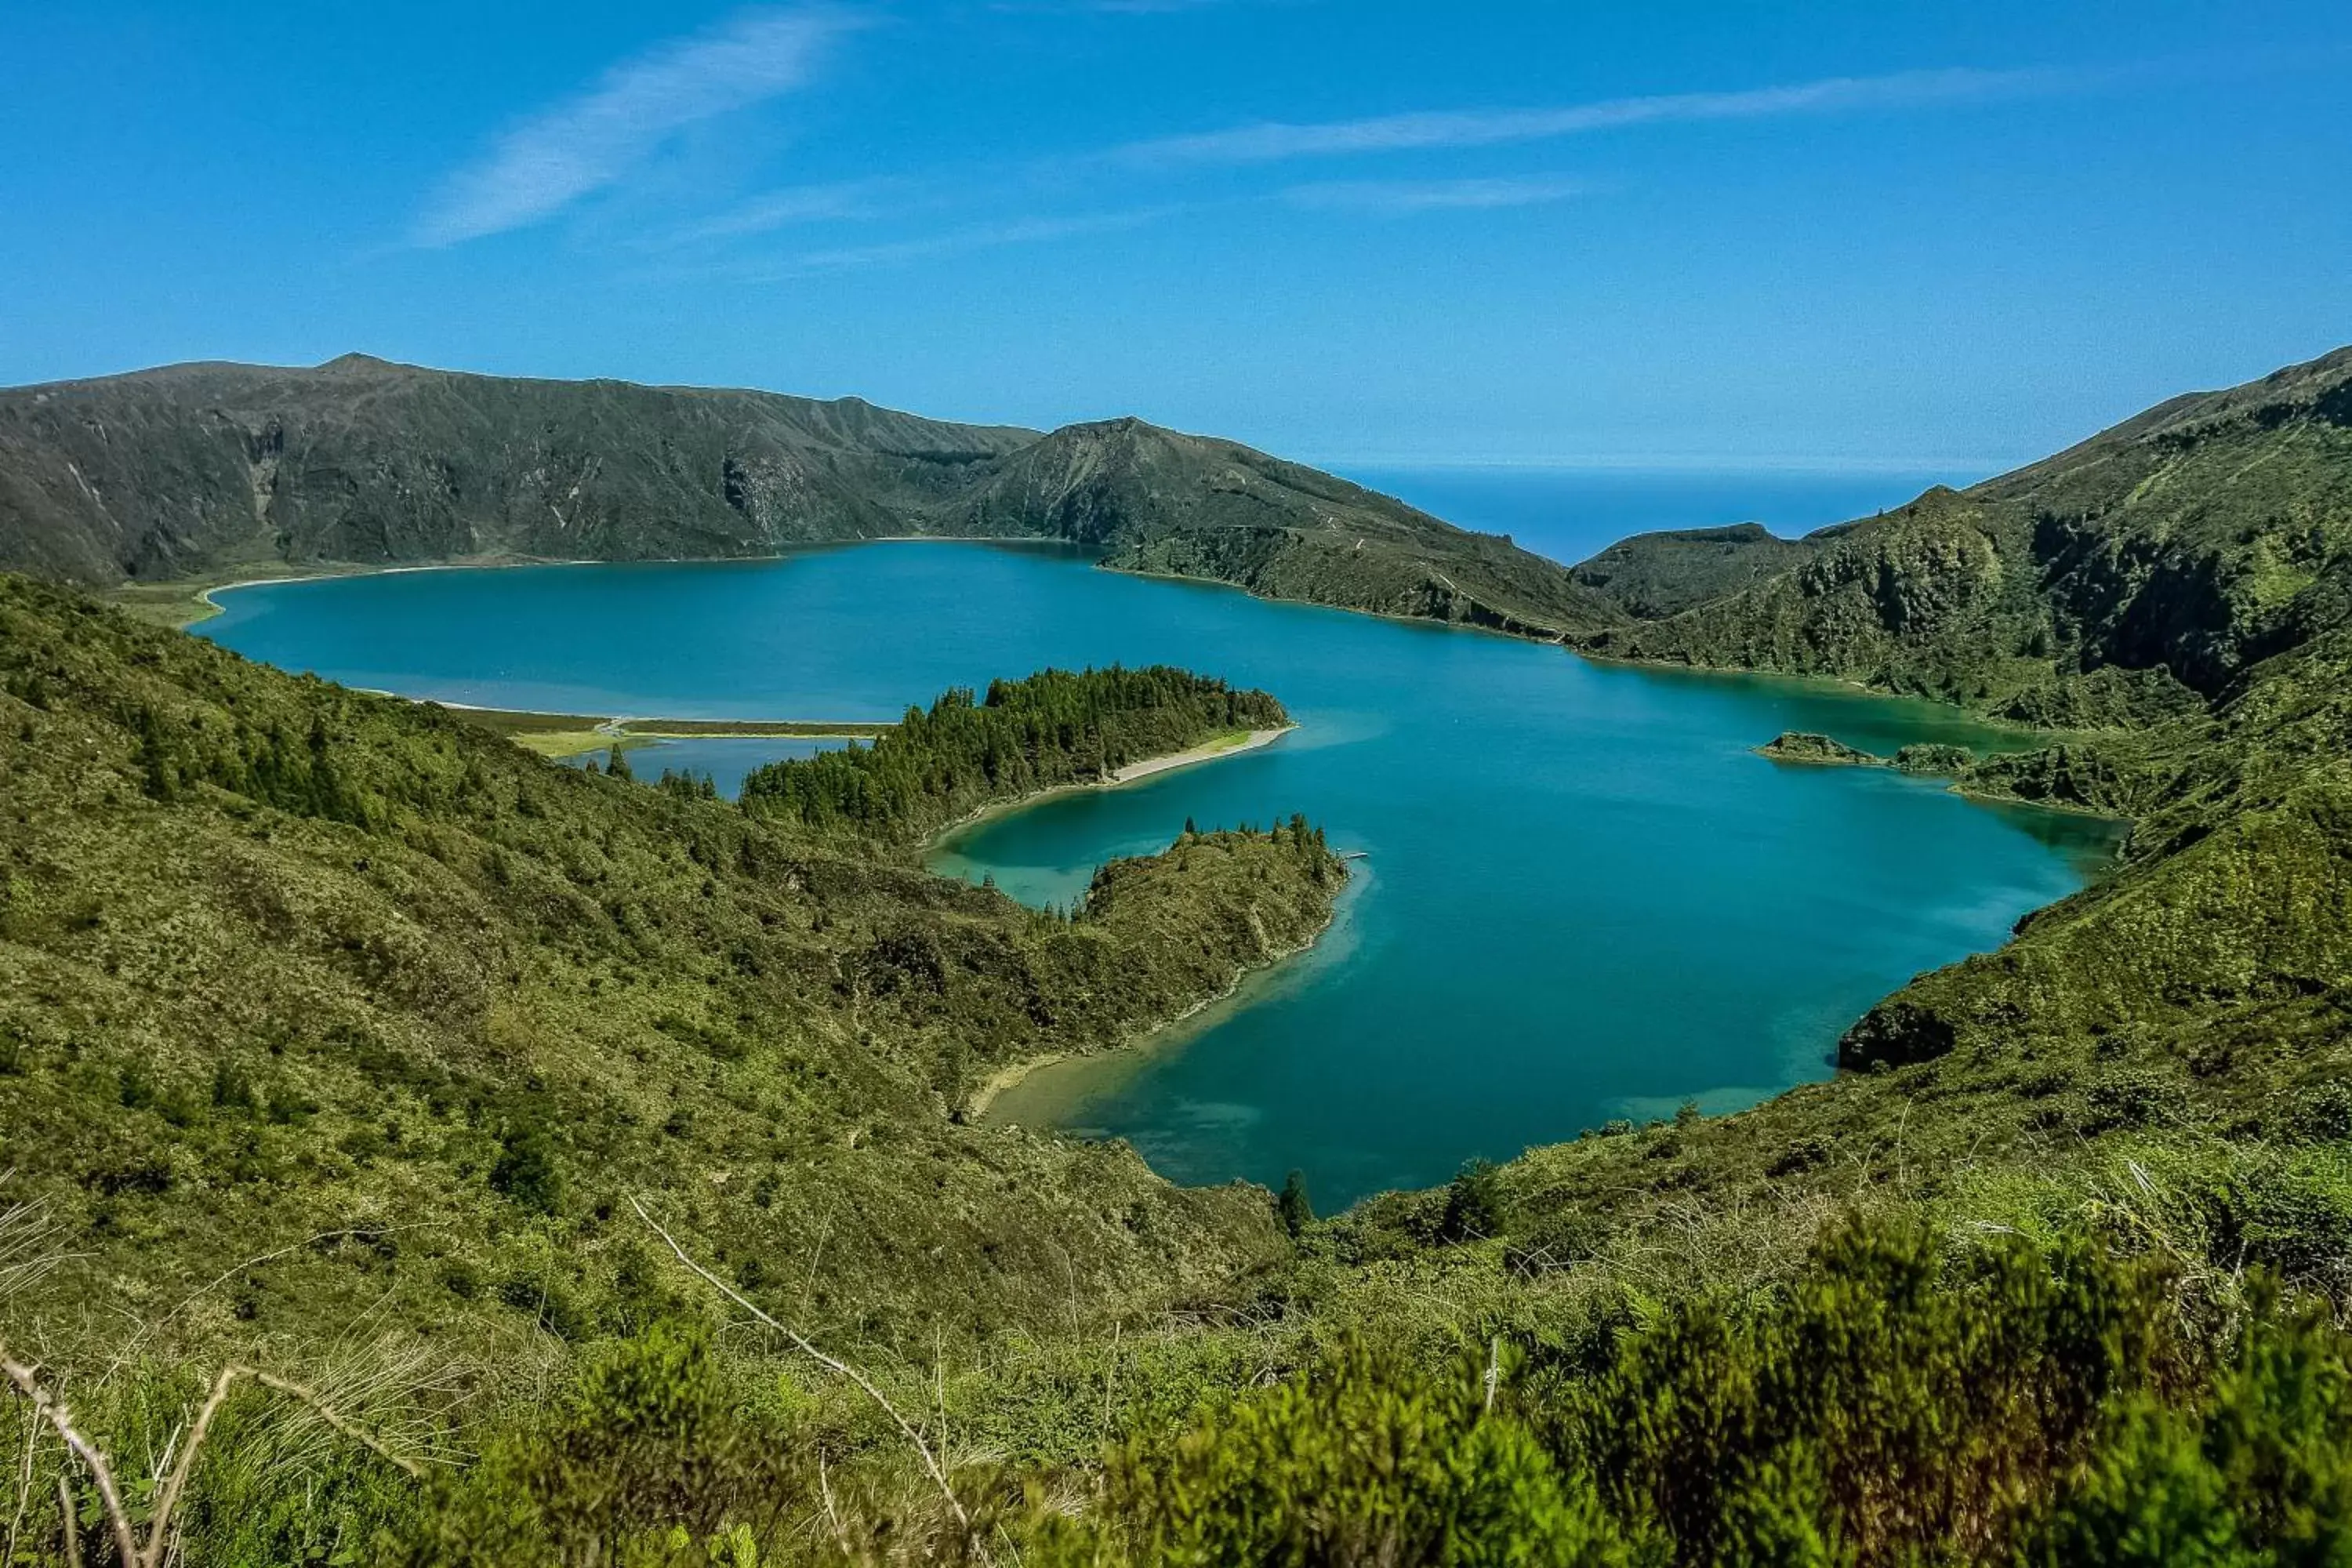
point(1570, 514)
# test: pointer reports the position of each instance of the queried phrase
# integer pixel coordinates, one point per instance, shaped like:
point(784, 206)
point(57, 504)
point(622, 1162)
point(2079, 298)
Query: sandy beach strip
point(1225, 746)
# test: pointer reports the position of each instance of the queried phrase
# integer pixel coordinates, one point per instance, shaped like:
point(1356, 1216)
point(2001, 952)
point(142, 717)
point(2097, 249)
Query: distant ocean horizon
point(1573, 513)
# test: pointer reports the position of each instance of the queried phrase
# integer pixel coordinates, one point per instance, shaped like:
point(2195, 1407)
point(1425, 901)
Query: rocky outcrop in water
point(1803, 746)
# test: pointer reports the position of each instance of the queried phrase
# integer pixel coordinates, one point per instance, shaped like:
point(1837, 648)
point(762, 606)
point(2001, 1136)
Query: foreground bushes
point(2018, 1404)
point(1901, 1401)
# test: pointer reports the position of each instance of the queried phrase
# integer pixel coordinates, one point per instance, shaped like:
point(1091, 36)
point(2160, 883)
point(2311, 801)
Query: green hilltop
point(2137, 575)
point(341, 1038)
point(207, 471)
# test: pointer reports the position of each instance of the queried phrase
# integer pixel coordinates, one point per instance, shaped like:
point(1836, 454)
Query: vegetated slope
point(2231, 915)
point(2162, 1055)
point(1197, 507)
point(204, 466)
point(1052, 729)
point(280, 961)
point(2130, 577)
point(205, 469)
point(1653, 576)
point(2051, 1274)
point(2184, 583)
point(2154, 1070)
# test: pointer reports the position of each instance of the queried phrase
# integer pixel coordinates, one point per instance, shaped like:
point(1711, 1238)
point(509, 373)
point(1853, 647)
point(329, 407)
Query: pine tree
point(1474, 1203)
point(1296, 1212)
point(155, 759)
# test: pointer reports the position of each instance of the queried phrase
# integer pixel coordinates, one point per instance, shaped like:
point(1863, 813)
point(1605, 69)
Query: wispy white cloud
point(548, 162)
point(1115, 8)
point(1403, 198)
point(982, 236)
point(795, 205)
point(1272, 142)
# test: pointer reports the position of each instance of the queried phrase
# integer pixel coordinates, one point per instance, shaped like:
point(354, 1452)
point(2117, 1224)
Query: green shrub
point(1474, 1203)
point(650, 1446)
point(526, 1172)
point(1359, 1463)
point(1917, 1402)
point(2258, 1470)
point(1291, 1205)
point(2323, 1112)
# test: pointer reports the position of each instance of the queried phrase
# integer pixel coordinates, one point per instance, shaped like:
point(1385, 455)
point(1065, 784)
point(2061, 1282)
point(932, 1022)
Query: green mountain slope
point(278, 960)
point(211, 468)
point(1196, 507)
point(201, 467)
point(2129, 577)
point(1653, 576)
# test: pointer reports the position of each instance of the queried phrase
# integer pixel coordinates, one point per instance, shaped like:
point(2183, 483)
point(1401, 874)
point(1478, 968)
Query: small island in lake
point(1924, 757)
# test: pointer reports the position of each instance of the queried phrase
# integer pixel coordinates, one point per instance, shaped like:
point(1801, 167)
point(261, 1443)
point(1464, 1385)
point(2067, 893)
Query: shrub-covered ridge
point(281, 960)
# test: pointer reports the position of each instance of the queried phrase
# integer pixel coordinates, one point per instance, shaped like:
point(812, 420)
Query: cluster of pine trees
point(1055, 728)
point(262, 764)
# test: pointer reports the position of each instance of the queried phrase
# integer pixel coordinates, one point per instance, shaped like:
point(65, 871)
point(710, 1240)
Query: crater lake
point(1581, 895)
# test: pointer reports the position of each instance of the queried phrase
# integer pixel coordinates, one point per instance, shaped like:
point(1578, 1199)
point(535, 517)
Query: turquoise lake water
point(721, 759)
point(1582, 895)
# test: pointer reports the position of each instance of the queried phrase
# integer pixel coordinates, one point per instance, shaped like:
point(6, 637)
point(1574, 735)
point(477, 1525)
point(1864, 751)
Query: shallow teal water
point(1583, 896)
point(721, 759)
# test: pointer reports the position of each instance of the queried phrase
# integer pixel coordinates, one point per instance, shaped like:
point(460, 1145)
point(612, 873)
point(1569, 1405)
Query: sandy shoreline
point(1134, 773)
point(1208, 754)
point(1012, 1073)
point(976, 1108)
point(1159, 1035)
point(204, 595)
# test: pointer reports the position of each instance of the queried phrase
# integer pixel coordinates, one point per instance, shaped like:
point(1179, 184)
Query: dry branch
point(800, 1343)
point(118, 1518)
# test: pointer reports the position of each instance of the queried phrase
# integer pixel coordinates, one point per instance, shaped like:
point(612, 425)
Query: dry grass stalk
point(24, 1490)
point(28, 1245)
point(66, 1513)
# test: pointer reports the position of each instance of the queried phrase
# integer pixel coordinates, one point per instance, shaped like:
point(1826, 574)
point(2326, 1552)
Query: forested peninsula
point(580, 1168)
point(960, 755)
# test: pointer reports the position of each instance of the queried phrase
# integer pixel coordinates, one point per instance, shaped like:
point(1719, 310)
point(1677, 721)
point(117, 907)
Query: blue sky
point(1349, 230)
